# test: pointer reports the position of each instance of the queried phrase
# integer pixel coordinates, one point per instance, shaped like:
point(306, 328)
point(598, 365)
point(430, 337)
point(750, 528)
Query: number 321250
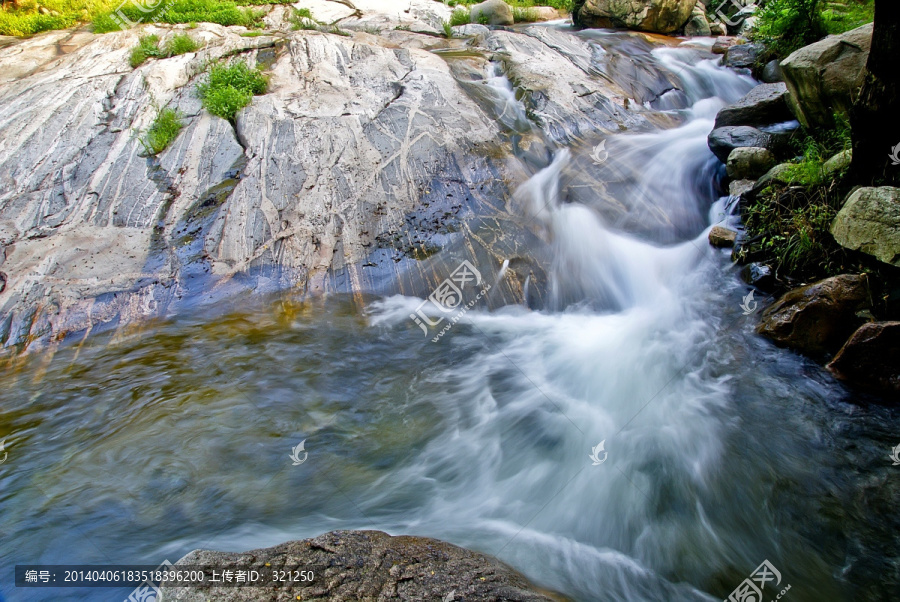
point(297, 576)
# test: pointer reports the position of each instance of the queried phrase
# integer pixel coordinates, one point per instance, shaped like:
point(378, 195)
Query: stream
point(719, 451)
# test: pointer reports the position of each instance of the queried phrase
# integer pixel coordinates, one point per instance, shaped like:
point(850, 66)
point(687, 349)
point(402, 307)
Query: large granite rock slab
point(367, 565)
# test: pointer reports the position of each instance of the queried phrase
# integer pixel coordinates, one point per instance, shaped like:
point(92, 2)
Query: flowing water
point(719, 450)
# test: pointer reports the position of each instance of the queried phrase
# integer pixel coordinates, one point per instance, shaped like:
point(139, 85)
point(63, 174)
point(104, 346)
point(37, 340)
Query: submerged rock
point(816, 319)
point(869, 222)
point(367, 565)
point(660, 16)
point(870, 359)
point(825, 77)
point(763, 105)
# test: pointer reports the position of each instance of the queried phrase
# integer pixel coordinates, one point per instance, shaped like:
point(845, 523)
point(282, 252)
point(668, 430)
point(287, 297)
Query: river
point(719, 451)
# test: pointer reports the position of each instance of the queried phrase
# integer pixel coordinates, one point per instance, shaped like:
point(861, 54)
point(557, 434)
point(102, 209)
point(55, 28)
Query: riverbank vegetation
point(787, 25)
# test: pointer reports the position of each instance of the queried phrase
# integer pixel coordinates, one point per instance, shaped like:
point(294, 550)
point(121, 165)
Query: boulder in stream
point(725, 139)
point(816, 319)
point(743, 56)
point(763, 105)
point(367, 565)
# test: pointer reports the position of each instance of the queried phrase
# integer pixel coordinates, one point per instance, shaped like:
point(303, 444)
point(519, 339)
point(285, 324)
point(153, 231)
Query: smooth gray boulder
point(763, 105)
point(749, 163)
point(771, 73)
point(491, 12)
point(869, 222)
point(725, 139)
point(364, 565)
point(825, 77)
point(660, 16)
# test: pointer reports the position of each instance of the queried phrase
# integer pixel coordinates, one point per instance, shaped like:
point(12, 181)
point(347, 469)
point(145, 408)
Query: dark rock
point(765, 104)
point(722, 237)
point(367, 565)
point(743, 56)
point(871, 358)
point(771, 73)
point(725, 139)
point(816, 319)
point(759, 275)
point(2, 282)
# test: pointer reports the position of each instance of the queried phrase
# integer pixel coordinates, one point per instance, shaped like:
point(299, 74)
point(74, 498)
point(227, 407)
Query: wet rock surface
point(369, 155)
point(660, 16)
point(816, 319)
point(369, 565)
point(869, 359)
point(765, 104)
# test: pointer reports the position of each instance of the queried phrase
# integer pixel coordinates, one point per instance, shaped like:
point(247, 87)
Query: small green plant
point(448, 29)
point(460, 16)
point(336, 31)
point(230, 87)
point(301, 18)
point(147, 46)
point(523, 14)
point(162, 132)
point(181, 43)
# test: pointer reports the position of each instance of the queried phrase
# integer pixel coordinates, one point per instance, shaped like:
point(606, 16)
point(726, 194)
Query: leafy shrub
point(163, 131)
point(230, 87)
point(223, 12)
point(786, 25)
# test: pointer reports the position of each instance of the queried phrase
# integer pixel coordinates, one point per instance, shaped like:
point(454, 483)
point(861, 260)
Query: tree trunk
point(875, 116)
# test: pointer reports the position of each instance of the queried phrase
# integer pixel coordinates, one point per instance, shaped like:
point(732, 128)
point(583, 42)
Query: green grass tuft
point(181, 43)
point(301, 18)
point(522, 14)
point(163, 131)
point(231, 87)
point(460, 16)
point(448, 29)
